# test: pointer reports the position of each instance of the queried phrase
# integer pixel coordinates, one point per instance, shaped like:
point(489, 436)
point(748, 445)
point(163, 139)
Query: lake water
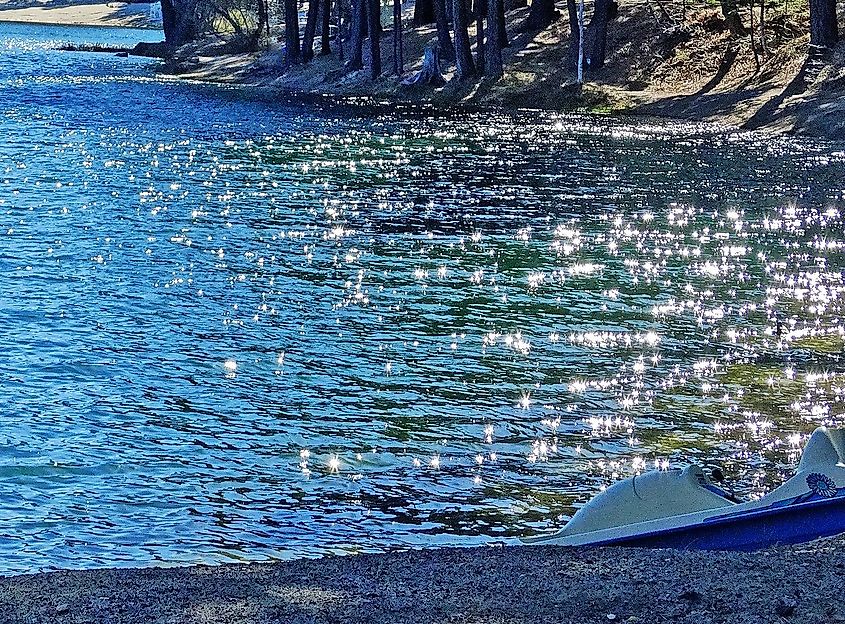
point(239, 329)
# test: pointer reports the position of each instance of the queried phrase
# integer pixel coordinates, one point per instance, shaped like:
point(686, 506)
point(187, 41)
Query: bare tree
point(429, 73)
point(263, 22)
point(751, 35)
point(178, 22)
point(503, 30)
point(342, 11)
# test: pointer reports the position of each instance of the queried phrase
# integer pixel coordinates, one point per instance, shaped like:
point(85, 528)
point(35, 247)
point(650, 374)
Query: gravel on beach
point(511, 584)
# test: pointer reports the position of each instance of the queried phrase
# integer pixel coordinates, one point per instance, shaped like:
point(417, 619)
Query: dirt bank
point(488, 584)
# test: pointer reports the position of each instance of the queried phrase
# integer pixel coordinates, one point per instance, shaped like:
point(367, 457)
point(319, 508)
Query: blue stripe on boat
point(751, 530)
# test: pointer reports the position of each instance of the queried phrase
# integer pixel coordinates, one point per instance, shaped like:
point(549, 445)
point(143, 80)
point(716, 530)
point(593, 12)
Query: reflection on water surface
point(239, 329)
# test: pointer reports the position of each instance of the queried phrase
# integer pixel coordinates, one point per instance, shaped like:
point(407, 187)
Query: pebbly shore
point(494, 584)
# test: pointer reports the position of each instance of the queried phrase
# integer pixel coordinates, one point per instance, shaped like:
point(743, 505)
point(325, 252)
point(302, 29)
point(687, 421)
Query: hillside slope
point(658, 64)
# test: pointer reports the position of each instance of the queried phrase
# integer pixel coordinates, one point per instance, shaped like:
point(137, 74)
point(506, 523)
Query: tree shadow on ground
point(724, 67)
point(703, 105)
point(766, 113)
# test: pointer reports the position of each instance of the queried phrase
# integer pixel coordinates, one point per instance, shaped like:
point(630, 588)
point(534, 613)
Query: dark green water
point(238, 329)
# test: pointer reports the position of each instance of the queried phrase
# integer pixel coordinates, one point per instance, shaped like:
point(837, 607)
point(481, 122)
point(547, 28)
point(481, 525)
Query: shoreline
point(789, 95)
point(487, 584)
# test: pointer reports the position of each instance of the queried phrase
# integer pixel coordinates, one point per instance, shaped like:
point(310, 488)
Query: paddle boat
point(685, 509)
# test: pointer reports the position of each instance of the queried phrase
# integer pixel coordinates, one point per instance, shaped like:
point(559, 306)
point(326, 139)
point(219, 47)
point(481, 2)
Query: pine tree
point(398, 49)
point(824, 31)
point(541, 14)
point(374, 13)
point(356, 37)
point(444, 40)
point(479, 9)
point(310, 30)
point(463, 52)
point(325, 46)
point(292, 56)
point(493, 67)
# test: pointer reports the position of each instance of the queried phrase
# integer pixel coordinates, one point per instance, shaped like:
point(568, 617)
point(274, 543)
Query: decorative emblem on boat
point(821, 484)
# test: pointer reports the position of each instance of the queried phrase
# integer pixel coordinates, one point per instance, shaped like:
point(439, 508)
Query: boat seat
point(647, 497)
point(824, 449)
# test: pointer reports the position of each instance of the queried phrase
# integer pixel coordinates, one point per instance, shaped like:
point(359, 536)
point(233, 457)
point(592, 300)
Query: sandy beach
point(511, 584)
point(119, 14)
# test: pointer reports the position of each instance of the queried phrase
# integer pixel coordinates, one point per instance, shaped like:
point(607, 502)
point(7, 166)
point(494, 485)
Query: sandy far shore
point(111, 14)
point(518, 585)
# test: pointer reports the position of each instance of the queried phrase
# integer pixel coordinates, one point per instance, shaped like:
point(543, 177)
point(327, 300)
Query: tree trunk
point(503, 26)
point(494, 67)
point(444, 40)
point(824, 31)
point(177, 23)
point(310, 30)
point(574, 35)
point(325, 33)
point(580, 65)
point(263, 22)
point(480, 10)
point(429, 74)
point(398, 49)
point(751, 35)
point(292, 55)
point(374, 13)
point(423, 12)
point(168, 22)
point(598, 28)
point(463, 51)
point(356, 39)
point(730, 12)
point(541, 14)
point(342, 16)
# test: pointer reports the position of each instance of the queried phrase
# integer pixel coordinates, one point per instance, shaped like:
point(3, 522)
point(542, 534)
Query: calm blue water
point(237, 329)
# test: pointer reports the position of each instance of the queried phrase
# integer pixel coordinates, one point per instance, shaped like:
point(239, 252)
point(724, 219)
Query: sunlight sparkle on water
point(486, 311)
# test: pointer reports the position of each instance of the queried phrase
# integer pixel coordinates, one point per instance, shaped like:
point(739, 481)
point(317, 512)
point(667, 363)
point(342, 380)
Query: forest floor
point(658, 63)
point(484, 585)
